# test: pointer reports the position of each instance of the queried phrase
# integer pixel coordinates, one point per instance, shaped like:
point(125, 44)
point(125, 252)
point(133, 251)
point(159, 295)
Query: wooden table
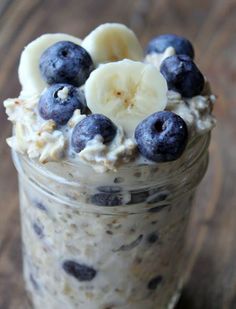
point(211, 25)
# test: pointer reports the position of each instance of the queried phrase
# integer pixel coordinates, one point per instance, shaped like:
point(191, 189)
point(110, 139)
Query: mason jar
point(107, 241)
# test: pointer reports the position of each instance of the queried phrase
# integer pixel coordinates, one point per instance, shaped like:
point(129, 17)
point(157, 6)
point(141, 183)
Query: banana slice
point(126, 91)
point(29, 73)
point(112, 42)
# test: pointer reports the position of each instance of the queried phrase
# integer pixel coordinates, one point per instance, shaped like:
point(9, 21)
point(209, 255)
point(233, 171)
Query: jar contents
point(110, 143)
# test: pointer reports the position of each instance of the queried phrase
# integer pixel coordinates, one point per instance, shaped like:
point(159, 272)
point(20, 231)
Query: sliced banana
point(112, 42)
point(126, 91)
point(29, 73)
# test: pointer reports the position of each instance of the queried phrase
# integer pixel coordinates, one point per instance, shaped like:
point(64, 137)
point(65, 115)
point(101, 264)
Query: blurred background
point(211, 26)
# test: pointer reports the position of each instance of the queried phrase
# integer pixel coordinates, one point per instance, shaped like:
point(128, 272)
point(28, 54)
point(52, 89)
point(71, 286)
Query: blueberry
point(179, 43)
point(182, 75)
point(152, 238)
point(65, 62)
point(91, 126)
point(79, 271)
point(162, 136)
point(59, 101)
point(38, 228)
point(108, 196)
point(107, 199)
point(39, 205)
point(154, 282)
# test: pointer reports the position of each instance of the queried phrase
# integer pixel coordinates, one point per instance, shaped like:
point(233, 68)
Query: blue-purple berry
point(91, 126)
point(60, 107)
point(108, 196)
point(66, 62)
point(162, 136)
point(160, 43)
point(182, 75)
point(154, 282)
point(81, 272)
point(152, 238)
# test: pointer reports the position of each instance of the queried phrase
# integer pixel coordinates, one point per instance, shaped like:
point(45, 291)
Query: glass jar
point(112, 240)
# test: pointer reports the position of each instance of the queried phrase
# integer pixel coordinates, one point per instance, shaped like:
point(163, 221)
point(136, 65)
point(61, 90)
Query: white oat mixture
point(104, 227)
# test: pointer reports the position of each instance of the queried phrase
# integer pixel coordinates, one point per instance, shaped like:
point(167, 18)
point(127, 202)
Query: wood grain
point(211, 25)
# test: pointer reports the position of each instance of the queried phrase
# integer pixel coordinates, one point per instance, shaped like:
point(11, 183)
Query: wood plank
point(211, 25)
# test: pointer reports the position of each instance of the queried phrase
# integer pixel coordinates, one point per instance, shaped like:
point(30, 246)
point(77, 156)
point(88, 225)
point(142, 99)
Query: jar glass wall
point(104, 241)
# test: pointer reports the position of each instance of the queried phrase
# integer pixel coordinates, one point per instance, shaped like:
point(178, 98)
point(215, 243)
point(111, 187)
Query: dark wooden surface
point(211, 25)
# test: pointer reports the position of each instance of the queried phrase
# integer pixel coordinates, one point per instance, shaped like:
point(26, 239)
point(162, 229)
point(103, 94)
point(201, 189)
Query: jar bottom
point(171, 305)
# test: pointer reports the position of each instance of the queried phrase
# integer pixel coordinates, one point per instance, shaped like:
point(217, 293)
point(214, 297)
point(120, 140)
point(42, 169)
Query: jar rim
point(174, 184)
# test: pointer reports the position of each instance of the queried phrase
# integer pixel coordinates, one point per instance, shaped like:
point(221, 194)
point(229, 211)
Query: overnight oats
point(110, 144)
